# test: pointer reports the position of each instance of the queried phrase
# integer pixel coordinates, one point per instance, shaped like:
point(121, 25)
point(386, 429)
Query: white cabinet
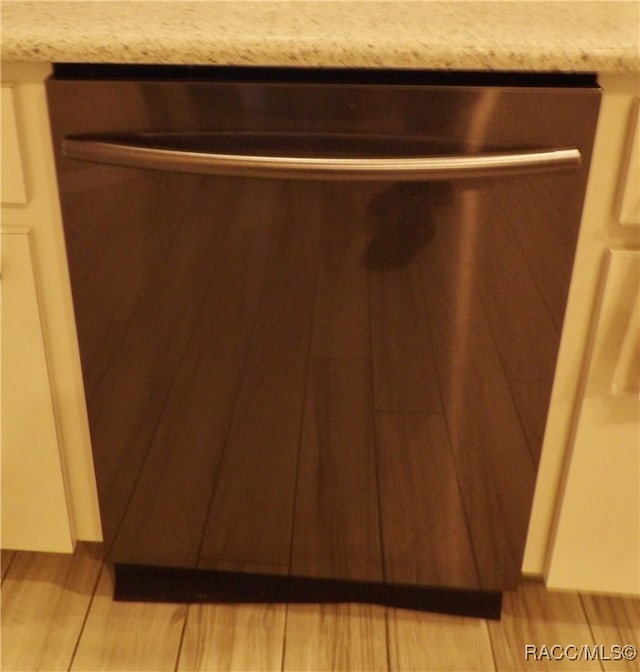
point(49, 494)
point(34, 506)
point(588, 494)
point(630, 197)
point(597, 540)
point(12, 176)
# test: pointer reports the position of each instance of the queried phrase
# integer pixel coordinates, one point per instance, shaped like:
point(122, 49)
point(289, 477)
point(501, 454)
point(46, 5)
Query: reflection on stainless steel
point(467, 259)
point(403, 224)
point(326, 378)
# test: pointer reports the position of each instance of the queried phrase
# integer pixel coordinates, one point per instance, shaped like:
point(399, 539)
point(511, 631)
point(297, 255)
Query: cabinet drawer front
point(13, 185)
point(34, 503)
point(613, 369)
point(630, 200)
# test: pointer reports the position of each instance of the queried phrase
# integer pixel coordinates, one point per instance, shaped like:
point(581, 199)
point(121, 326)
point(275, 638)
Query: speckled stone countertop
point(522, 36)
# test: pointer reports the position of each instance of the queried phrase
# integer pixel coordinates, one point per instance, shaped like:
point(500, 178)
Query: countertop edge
point(519, 36)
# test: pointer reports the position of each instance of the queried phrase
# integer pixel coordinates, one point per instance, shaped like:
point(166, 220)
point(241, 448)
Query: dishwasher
point(318, 314)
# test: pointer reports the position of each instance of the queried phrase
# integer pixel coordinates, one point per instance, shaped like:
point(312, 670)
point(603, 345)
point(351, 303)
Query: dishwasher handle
point(127, 152)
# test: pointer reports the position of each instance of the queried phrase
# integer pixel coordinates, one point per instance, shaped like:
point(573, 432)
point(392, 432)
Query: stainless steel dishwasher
point(319, 314)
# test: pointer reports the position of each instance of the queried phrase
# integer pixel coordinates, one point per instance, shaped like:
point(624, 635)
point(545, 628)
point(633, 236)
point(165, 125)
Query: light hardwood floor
point(57, 614)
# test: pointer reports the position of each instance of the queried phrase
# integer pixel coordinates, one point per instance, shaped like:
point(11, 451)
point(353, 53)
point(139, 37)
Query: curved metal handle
point(129, 153)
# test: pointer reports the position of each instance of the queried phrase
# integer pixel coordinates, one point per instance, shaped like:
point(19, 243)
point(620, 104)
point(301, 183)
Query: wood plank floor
point(58, 614)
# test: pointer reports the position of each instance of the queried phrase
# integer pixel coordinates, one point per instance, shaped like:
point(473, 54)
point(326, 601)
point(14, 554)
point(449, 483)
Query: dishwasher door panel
point(332, 380)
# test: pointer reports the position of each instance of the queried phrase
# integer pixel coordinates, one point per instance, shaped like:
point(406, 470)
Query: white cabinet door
point(34, 506)
point(30, 203)
point(597, 541)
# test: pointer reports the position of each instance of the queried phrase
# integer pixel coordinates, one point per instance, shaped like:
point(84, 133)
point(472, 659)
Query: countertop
point(521, 36)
